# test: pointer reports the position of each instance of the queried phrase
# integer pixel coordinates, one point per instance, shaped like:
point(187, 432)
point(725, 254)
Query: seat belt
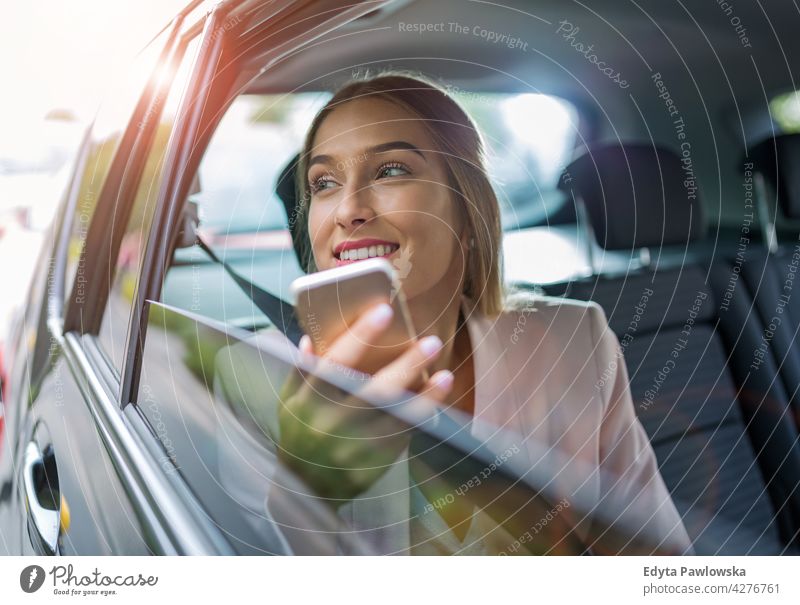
point(276, 309)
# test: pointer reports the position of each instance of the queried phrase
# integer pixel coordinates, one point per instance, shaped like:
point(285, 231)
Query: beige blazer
point(551, 387)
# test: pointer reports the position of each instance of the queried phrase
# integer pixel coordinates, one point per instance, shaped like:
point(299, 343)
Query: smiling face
point(379, 188)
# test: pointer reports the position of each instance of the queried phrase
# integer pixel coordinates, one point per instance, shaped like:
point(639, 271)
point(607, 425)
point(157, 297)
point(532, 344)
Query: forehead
point(362, 123)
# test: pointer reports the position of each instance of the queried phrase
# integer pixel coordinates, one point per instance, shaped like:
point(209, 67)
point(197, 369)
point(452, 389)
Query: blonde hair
point(458, 140)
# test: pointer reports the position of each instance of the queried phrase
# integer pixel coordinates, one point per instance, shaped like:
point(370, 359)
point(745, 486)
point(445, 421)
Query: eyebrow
point(382, 148)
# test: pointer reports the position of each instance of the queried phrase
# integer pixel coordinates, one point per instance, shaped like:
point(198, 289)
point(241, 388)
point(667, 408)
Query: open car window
point(529, 137)
point(239, 212)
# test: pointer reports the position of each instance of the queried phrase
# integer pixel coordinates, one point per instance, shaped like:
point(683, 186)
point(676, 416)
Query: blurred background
point(57, 60)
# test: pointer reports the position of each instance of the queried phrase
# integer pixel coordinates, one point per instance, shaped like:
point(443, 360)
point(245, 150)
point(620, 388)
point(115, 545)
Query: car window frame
point(73, 313)
point(83, 313)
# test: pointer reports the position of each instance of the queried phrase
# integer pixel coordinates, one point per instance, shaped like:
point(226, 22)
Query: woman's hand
point(338, 443)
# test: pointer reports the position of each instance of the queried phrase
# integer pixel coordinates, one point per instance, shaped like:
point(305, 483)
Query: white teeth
point(370, 252)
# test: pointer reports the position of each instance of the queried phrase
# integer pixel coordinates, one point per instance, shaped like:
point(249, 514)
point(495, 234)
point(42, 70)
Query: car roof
point(682, 41)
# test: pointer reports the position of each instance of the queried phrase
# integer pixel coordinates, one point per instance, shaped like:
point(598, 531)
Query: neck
point(431, 320)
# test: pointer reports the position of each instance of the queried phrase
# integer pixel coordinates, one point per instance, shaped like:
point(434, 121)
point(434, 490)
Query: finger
point(357, 341)
point(406, 370)
point(433, 392)
point(305, 345)
point(439, 386)
point(302, 381)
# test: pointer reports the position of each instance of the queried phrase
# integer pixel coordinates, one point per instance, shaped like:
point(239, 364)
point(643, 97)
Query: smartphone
point(328, 302)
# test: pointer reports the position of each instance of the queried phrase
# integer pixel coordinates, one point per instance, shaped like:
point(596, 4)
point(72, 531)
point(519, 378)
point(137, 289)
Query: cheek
point(442, 221)
point(435, 231)
point(320, 219)
point(429, 205)
point(319, 226)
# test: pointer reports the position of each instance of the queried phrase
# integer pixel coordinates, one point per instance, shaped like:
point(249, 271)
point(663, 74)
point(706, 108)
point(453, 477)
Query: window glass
point(252, 144)
point(529, 139)
point(228, 410)
point(106, 133)
point(114, 327)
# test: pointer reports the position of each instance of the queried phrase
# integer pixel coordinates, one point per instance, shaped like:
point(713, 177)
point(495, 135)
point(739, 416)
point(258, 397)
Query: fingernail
point(380, 315)
point(430, 345)
point(444, 379)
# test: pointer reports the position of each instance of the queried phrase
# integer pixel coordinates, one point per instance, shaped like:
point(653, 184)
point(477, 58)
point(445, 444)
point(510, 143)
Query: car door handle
point(42, 498)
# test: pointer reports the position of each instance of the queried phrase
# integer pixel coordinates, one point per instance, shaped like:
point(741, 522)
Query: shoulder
point(574, 332)
point(555, 313)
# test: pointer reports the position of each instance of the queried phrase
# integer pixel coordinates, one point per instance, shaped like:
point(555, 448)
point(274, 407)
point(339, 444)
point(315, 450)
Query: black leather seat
point(730, 459)
point(286, 190)
point(772, 278)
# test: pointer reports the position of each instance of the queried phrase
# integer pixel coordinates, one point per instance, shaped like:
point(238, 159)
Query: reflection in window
point(114, 328)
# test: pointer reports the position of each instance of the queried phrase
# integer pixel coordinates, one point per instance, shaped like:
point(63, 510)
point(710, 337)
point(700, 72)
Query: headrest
point(636, 195)
point(286, 190)
point(777, 158)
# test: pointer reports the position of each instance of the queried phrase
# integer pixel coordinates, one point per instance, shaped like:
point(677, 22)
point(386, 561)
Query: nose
point(355, 207)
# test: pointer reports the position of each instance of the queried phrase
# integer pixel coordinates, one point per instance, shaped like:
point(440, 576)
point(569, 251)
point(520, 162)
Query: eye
point(391, 169)
point(321, 183)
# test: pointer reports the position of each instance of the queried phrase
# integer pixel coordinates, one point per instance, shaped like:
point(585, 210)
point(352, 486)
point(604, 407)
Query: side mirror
point(187, 236)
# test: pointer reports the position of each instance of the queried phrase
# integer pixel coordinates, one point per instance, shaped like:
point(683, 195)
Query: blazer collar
point(496, 399)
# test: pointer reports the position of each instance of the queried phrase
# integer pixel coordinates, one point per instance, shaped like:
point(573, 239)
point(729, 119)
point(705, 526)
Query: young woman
point(393, 167)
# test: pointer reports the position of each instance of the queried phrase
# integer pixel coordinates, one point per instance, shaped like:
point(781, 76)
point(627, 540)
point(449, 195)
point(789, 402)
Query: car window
point(240, 214)
point(112, 119)
point(256, 138)
point(785, 110)
point(529, 139)
point(113, 330)
point(226, 466)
